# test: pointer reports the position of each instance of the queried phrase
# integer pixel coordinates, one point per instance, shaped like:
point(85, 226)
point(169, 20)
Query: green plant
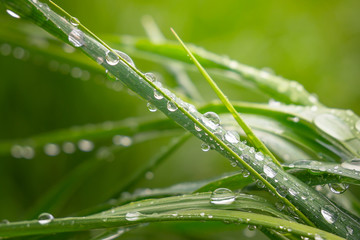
point(300, 124)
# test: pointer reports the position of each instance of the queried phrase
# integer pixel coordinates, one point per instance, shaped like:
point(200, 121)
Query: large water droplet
point(150, 76)
point(74, 21)
point(151, 107)
point(329, 213)
point(76, 37)
point(171, 106)
point(232, 137)
point(11, 13)
point(338, 188)
point(125, 57)
point(51, 149)
point(45, 218)
point(132, 216)
point(353, 164)
point(269, 171)
point(333, 126)
point(222, 196)
point(111, 58)
point(205, 147)
point(85, 145)
point(211, 120)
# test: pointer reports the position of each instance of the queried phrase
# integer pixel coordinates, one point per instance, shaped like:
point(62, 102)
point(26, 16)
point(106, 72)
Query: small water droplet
point(74, 21)
point(76, 38)
point(132, 216)
point(85, 145)
point(292, 192)
point(222, 196)
point(150, 76)
point(51, 149)
point(111, 58)
point(205, 147)
point(232, 137)
point(171, 106)
point(45, 218)
point(329, 213)
point(269, 171)
point(338, 188)
point(259, 156)
point(349, 230)
point(202, 214)
point(197, 128)
point(246, 173)
point(149, 175)
point(151, 107)
point(120, 140)
point(318, 237)
point(11, 13)
point(158, 95)
point(211, 120)
point(282, 191)
point(252, 227)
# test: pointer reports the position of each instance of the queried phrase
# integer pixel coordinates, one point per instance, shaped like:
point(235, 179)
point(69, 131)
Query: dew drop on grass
point(232, 137)
point(111, 58)
point(333, 126)
point(171, 106)
point(85, 145)
point(28, 152)
point(151, 107)
point(318, 237)
point(197, 128)
point(126, 57)
point(158, 95)
point(74, 21)
point(338, 188)
point(132, 216)
point(353, 164)
point(150, 76)
point(269, 171)
point(11, 13)
point(222, 196)
point(252, 227)
point(282, 191)
point(211, 120)
point(69, 147)
point(245, 173)
point(149, 175)
point(45, 218)
point(329, 213)
point(259, 156)
point(205, 147)
point(76, 37)
point(51, 149)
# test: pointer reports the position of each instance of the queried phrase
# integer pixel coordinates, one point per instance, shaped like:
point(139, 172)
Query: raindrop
point(292, 192)
point(16, 151)
point(329, 213)
point(150, 76)
point(205, 147)
point(125, 57)
point(171, 106)
point(211, 120)
point(252, 227)
point(111, 58)
point(338, 188)
point(85, 145)
point(269, 171)
point(122, 140)
point(76, 37)
point(68, 147)
point(222, 196)
point(280, 205)
point(28, 152)
point(11, 13)
point(333, 126)
point(202, 214)
point(282, 191)
point(132, 216)
point(197, 128)
point(151, 107)
point(51, 149)
point(74, 21)
point(45, 218)
point(353, 164)
point(232, 137)
point(259, 156)
point(149, 175)
point(246, 173)
point(158, 95)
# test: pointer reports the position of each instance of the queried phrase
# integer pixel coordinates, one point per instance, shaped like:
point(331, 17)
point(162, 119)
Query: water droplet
point(171, 106)
point(349, 230)
point(85, 145)
point(150, 76)
point(4, 221)
point(252, 227)
point(132, 216)
point(45, 218)
point(259, 156)
point(122, 140)
point(111, 58)
point(69, 147)
point(28, 152)
point(11, 13)
point(125, 57)
point(211, 120)
point(282, 191)
point(232, 137)
point(149, 175)
point(158, 95)
point(51, 149)
point(318, 237)
point(222, 196)
point(269, 171)
point(357, 125)
point(151, 107)
point(74, 21)
point(202, 214)
point(280, 205)
point(333, 126)
point(292, 192)
point(205, 147)
point(76, 37)
point(329, 213)
point(197, 128)
point(353, 164)
point(246, 173)
point(338, 188)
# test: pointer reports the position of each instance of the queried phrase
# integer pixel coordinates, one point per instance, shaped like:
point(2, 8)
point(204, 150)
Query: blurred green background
point(314, 42)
